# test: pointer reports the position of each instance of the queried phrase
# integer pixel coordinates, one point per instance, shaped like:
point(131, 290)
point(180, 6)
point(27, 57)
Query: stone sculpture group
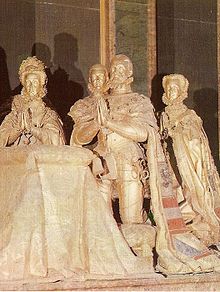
point(57, 218)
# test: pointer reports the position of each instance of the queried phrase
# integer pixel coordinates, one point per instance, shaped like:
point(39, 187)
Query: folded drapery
point(54, 220)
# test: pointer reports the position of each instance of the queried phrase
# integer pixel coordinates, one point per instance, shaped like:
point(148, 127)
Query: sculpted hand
point(17, 122)
point(27, 121)
point(23, 122)
point(35, 131)
point(103, 114)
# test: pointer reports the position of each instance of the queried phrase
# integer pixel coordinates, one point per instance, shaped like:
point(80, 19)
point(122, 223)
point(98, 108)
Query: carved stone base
point(155, 282)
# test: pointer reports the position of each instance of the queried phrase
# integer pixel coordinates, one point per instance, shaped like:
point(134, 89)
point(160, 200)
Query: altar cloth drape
point(54, 220)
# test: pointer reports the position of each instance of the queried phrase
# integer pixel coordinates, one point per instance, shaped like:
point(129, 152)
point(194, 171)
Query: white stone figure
point(120, 169)
point(19, 126)
point(118, 119)
point(55, 220)
point(87, 127)
point(200, 203)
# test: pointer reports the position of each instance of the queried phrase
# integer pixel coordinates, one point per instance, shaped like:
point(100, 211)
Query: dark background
point(187, 44)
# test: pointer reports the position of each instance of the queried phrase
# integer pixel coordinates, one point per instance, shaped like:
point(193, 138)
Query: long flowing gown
point(200, 179)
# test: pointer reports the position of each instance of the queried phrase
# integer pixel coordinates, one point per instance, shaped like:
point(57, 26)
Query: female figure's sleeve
point(10, 129)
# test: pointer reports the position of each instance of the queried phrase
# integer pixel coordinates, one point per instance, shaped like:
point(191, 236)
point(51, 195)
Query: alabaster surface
point(55, 222)
point(124, 124)
point(31, 120)
point(56, 213)
point(200, 198)
point(119, 121)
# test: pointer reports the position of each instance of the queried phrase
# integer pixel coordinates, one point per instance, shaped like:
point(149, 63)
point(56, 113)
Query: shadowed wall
point(187, 44)
point(131, 37)
point(64, 34)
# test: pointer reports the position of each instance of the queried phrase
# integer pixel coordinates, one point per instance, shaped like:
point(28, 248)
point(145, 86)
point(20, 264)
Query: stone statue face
point(121, 71)
point(98, 78)
point(172, 90)
point(118, 73)
point(32, 84)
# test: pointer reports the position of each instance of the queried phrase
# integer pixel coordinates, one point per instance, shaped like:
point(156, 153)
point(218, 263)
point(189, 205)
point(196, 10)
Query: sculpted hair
point(32, 65)
point(124, 60)
point(180, 81)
